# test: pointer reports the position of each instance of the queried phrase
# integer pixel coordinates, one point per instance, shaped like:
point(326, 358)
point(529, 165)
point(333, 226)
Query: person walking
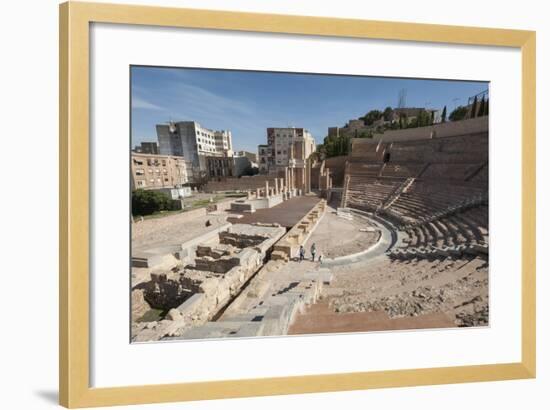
point(320, 259)
point(302, 253)
point(313, 252)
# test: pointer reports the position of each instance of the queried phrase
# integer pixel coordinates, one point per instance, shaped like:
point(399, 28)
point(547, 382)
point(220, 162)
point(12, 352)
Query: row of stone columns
point(286, 185)
point(268, 191)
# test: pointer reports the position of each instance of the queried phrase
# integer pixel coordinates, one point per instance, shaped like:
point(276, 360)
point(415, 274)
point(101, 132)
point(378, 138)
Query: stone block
point(249, 329)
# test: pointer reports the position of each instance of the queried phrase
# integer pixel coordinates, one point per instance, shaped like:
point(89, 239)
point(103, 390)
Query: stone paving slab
point(287, 213)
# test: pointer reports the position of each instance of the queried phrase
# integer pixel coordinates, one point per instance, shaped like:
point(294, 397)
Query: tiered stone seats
point(450, 234)
point(361, 150)
point(359, 168)
point(367, 193)
point(482, 176)
point(427, 199)
point(449, 171)
point(477, 217)
point(433, 189)
point(401, 170)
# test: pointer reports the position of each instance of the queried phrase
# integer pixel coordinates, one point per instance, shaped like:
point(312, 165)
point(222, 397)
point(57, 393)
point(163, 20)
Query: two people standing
point(313, 251)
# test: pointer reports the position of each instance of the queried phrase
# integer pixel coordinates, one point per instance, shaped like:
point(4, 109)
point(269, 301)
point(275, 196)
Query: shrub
point(148, 202)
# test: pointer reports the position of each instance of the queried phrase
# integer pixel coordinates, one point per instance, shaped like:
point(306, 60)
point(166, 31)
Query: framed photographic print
point(258, 204)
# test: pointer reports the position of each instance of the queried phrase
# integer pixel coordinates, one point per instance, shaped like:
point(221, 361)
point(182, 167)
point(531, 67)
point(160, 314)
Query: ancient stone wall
point(288, 246)
point(239, 184)
point(194, 294)
point(337, 166)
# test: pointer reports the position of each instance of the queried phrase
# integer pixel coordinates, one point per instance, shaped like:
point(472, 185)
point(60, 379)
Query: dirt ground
point(458, 288)
point(173, 229)
point(335, 236)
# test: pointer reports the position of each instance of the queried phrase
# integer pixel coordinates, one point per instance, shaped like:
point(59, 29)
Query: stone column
point(276, 183)
point(308, 177)
point(286, 180)
point(267, 189)
point(257, 193)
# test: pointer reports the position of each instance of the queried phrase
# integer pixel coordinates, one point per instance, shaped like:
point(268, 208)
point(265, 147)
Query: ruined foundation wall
point(288, 246)
point(195, 294)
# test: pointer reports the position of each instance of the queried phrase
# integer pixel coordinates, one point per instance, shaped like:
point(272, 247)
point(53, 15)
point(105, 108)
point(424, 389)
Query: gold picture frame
point(75, 19)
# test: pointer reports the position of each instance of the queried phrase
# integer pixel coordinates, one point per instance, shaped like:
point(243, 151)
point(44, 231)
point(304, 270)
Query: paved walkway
point(287, 213)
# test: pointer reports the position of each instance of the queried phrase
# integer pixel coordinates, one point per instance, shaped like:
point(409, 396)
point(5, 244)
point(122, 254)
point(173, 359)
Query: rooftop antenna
point(402, 98)
point(171, 125)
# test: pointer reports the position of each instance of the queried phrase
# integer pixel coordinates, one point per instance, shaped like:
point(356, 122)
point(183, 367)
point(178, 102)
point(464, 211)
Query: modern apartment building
point(220, 167)
point(150, 171)
point(252, 156)
point(287, 152)
point(147, 148)
point(287, 147)
point(265, 158)
point(194, 142)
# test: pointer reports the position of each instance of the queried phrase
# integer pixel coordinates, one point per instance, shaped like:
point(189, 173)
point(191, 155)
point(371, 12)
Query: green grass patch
point(152, 315)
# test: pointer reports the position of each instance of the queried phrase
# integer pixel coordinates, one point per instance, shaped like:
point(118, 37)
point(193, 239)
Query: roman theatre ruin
point(401, 224)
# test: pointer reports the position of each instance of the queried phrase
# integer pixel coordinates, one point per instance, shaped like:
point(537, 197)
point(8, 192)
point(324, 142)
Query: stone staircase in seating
point(396, 193)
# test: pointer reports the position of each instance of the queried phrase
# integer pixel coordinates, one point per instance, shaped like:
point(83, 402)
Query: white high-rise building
point(194, 142)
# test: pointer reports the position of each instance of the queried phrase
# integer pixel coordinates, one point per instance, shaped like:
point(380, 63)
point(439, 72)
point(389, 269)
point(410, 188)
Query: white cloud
point(143, 104)
point(204, 101)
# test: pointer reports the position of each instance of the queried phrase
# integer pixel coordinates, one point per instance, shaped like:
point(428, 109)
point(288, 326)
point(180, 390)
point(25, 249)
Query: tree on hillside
point(365, 134)
point(371, 116)
point(444, 114)
point(474, 108)
point(459, 113)
point(388, 114)
point(481, 111)
point(335, 146)
point(422, 119)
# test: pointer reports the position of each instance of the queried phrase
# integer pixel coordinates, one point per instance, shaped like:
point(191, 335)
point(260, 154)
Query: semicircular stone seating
point(438, 206)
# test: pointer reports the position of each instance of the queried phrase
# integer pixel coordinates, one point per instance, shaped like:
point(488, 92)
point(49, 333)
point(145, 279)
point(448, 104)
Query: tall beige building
point(286, 154)
point(150, 171)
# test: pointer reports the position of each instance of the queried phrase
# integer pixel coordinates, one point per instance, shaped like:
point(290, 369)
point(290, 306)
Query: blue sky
point(247, 102)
